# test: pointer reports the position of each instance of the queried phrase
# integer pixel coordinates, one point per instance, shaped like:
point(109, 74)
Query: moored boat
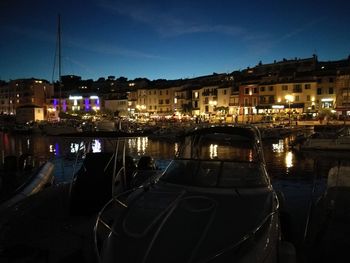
point(20, 180)
point(213, 203)
point(56, 224)
point(327, 237)
point(338, 140)
point(61, 128)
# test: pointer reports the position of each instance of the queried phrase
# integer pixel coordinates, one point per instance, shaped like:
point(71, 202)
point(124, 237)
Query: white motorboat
point(328, 230)
point(213, 203)
point(19, 179)
point(336, 140)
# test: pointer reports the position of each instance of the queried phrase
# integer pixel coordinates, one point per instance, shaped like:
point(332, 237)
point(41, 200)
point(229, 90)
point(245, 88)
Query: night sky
point(166, 39)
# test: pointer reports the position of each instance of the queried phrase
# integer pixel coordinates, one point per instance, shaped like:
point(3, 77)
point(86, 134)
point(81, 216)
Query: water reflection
point(75, 147)
point(28, 143)
point(176, 148)
point(289, 160)
point(213, 151)
point(278, 147)
point(52, 149)
point(281, 162)
point(96, 146)
point(138, 145)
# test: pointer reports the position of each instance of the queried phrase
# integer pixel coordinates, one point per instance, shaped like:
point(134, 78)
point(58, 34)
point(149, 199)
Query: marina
point(157, 131)
point(301, 177)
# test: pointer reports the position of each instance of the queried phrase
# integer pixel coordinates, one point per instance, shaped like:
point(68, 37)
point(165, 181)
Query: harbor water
point(301, 178)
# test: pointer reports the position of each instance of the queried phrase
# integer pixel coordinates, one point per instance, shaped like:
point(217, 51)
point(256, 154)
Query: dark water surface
point(300, 177)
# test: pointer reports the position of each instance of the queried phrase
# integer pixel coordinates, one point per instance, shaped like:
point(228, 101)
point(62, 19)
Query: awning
point(281, 106)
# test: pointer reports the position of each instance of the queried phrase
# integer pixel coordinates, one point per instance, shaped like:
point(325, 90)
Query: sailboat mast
point(59, 62)
point(59, 47)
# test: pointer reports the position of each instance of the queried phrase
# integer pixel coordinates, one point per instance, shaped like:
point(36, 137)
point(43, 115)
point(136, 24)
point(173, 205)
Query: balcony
point(297, 90)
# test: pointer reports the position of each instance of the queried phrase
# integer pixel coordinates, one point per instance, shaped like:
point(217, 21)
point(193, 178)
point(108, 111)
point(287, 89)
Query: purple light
point(86, 102)
point(64, 105)
point(57, 149)
point(98, 102)
point(55, 102)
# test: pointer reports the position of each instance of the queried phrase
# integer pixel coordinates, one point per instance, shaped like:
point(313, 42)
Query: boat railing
point(83, 148)
point(119, 177)
point(103, 228)
point(104, 223)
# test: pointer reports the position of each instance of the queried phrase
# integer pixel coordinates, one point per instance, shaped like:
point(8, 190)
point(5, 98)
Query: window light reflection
point(176, 148)
point(251, 156)
point(278, 147)
point(213, 151)
point(52, 149)
point(139, 144)
point(74, 147)
point(96, 146)
point(289, 160)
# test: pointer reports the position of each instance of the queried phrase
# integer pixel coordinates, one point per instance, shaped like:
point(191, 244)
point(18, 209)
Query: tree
point(223, 110)
point(122, 79)
point(326, 114)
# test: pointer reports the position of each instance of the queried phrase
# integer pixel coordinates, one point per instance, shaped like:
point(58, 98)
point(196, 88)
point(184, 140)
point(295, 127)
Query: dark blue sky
point(166, 39)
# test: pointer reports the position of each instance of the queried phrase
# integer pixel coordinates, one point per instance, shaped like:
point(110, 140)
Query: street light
point(289, 98)
point(213, 104)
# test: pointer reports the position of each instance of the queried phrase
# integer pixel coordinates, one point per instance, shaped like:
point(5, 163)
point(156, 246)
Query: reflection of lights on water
point(96, 146)
point(278, 147)
point(289, 160)
point(213, 151)
point(28, 144)
point(75, 147)
point(139, 144)
point(142, 143)
point(51, 149)
point(57, 147)
point(54, 148)
point(176, 147)
point(250, 156)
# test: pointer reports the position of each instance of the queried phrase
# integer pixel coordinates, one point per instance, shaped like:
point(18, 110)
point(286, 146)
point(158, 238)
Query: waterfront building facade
point(248, 101)
point(342, 105)
point(297, 87)
point(182, 101)
point(165, 105)
point(24, 92)
point(72, 104)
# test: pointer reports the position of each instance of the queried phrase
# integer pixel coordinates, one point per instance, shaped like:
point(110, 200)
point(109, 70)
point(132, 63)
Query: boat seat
point(92, 186)
point(146, 163)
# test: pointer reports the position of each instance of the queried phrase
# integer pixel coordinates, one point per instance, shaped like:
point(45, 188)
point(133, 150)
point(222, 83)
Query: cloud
point(87, 45)
point(108, 48)
point(164, 23)
point(178, 29)
point(299, 30)
point(267, 42)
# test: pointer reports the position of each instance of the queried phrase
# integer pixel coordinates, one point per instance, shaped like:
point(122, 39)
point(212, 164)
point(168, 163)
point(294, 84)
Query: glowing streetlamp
point(289, 99)
point(213, 103)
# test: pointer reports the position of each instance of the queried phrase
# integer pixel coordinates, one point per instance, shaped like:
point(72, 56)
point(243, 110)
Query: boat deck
point(38, 231)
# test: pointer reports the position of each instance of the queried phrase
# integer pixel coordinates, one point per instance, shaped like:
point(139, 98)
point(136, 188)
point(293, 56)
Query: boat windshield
point(218, 174)
point(221, 160)
point(219, 146)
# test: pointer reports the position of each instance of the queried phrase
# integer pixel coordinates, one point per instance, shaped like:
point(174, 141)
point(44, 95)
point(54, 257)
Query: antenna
point(59, 48)
point(58, 54)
